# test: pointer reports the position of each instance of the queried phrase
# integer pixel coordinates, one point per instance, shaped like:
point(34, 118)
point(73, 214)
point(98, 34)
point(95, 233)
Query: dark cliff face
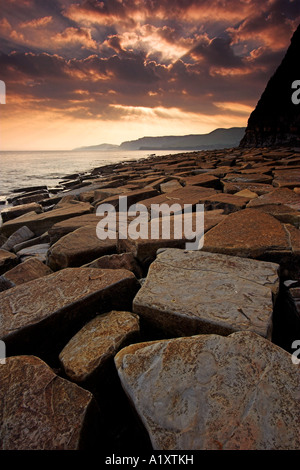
point(276, 119)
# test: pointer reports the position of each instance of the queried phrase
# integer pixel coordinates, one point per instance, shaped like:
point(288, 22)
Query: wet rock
point(239, 392)
point(41, 411)
point(45, 313)
point(93, 347)
point(78, 248)
point(192, 292)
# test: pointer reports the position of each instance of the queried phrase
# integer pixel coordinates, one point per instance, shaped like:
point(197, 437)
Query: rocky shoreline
point(139, 343)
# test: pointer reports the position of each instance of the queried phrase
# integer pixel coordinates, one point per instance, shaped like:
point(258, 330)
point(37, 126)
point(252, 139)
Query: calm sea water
point(21, 169)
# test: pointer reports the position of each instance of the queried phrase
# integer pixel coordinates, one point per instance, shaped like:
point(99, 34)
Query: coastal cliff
point(276, 118)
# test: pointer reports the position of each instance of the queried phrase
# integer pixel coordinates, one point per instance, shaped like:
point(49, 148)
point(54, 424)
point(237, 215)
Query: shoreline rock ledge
point(239, 392)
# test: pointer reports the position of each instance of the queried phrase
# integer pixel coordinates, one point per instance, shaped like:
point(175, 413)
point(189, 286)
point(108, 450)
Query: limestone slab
point(52, 307)
point(193, 292)
point(209, 392)
point(41, 411)
point(98, 342)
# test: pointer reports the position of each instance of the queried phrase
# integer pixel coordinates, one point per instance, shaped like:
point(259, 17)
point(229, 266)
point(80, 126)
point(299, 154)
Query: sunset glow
point(81, 73)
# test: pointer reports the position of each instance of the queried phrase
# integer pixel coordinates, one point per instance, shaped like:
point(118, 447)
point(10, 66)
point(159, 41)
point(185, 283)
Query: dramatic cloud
point(155, 63)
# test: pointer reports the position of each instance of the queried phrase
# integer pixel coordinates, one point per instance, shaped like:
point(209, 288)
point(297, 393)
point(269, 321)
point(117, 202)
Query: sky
point(87, 72)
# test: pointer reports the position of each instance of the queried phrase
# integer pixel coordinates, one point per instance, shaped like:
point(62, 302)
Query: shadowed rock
point(41, 411)
point(46, 311)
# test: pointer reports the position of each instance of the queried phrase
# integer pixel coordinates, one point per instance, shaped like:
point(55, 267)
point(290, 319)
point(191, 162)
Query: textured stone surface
point(31, 269)
point(53, 306)
point(188, 293)
point(41, 223)
point(36, 251)
point(41, 411)
point(144, 249)
point(60, 229)
point(257, 188)
point(278, 196)
point(21, 235)
point(117, 261)
point(97, 342)
point(249, 233)
point(209, 392)
point(227, 202)
point(16, 211)
point(78, 248)
point(7, 261)
point(190, 195)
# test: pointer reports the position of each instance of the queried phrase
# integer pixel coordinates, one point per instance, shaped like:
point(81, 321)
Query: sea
point(39, 168)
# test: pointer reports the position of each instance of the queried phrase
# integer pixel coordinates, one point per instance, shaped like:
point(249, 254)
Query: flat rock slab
point(64, 227)
point(41, 223)
point(97, 343)
point(189, 195)
point(117, 261)
point(278, 196)
point(7, 261)
point(257, 188)
point(209, 392)
point(16, 211)
point(41, 411)
point(144, 248)
point(78, 248)
point(36, 251)
point(27, 271)
point(192, 292)
point(56, 306)
point(227, 202)
point(250, 233)
point(248, 178)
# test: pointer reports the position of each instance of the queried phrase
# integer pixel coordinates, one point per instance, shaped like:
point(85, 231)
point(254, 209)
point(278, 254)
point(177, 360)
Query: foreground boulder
point(97, 343)
point(210, 392)
point(47, 312)
point(189, 293)
point(41, 411)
